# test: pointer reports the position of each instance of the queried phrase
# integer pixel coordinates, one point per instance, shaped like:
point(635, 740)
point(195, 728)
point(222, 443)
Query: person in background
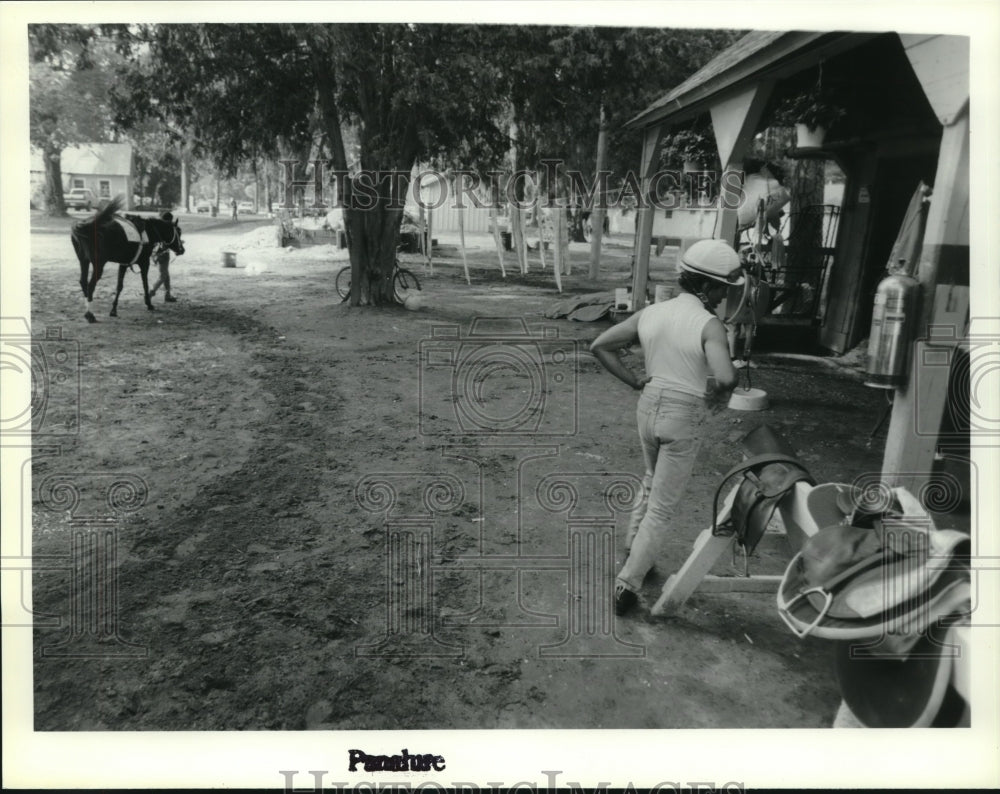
point(233, 204)
point(688, 373)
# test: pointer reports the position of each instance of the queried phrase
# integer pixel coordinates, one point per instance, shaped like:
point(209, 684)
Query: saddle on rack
point(886, 593)
point(769, 473)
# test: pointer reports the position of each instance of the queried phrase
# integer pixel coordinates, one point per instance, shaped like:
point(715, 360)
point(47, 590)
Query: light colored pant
point(669, 432)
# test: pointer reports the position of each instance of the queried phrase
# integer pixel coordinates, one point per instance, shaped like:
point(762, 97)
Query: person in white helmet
point(688, 370)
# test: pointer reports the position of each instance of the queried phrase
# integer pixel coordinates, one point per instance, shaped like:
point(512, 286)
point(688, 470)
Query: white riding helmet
point(714, 259)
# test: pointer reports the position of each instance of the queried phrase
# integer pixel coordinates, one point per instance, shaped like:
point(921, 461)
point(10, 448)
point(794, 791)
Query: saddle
point(886, 593)
point(769, 474)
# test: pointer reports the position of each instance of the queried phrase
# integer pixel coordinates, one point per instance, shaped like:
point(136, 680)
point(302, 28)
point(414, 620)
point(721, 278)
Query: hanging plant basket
point(809, 138)
point(812, 112)
point(694, 148)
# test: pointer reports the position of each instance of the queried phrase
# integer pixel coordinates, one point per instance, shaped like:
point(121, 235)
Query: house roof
point(105, 159)
point(758, 55)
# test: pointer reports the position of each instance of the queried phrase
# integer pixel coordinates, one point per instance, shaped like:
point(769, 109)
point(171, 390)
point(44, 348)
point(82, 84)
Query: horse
point(128, 241)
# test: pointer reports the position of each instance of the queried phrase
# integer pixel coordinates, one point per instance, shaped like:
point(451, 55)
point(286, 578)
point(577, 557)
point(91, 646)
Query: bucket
point(228, 259)
point(663, 293)
point(623, 301)
point(748, 400)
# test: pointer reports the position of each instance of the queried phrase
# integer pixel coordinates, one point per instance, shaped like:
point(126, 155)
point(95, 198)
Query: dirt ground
point(262, 579)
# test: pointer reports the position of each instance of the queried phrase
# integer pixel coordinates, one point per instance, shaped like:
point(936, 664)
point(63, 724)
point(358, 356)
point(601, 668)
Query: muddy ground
point(261, 581)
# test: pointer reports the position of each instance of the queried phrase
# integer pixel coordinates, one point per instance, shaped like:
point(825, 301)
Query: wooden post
point(541, 240)
point(920, 404)
point(557, 254)
point(429, 246)
point(561, 232)
point(598, 212)
point(644, 216)
point(495, 221)
point(461, 239)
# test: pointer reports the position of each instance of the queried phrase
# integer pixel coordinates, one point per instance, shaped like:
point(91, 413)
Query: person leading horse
point(128, 240)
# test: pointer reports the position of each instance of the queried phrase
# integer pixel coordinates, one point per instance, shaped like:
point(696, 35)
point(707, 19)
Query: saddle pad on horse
point(133, 234)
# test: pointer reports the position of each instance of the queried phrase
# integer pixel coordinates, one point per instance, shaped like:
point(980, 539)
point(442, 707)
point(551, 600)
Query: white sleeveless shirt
point(670, 335)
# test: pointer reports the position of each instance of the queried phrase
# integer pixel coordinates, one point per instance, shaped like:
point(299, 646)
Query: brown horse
point(128, 240)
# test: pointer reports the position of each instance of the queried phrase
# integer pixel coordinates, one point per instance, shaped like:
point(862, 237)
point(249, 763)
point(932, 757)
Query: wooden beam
point(919, 405)
point(941, 64)
point(734, 120)
point(644, 216)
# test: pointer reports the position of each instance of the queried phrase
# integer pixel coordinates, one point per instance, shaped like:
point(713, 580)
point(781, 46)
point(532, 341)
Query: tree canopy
point(382, 97)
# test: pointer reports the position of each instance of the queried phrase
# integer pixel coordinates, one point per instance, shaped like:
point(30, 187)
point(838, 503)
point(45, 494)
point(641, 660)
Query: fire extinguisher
point(889, 341)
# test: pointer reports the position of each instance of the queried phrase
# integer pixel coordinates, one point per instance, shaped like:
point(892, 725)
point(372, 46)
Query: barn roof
point(759, 54)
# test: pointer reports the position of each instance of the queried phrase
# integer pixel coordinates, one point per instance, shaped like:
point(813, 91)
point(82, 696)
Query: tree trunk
point(495, 221)
point(599, 211)
point(372, 231)
point(55, 203)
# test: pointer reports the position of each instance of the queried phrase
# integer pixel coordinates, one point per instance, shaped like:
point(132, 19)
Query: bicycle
point(403, 282)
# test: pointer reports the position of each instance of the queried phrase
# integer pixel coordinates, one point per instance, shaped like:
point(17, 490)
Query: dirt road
point(316, 538)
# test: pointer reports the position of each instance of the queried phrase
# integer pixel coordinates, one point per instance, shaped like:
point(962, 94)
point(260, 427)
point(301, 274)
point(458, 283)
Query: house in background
point(105, 168)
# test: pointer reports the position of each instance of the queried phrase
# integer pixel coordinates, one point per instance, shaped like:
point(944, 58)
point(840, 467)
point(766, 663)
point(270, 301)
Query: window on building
point(77, 184)
point(104, 188)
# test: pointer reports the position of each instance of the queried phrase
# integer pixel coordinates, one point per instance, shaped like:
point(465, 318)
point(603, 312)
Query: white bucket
point(623, 301)
point(749, 400)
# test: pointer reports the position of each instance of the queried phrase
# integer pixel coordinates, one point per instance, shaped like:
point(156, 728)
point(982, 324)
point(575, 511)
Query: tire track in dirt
point(234, 579)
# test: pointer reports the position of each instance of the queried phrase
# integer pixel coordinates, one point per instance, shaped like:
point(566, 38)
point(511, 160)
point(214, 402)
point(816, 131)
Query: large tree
point(409, 92)
point(584, 83)
point(68, 89)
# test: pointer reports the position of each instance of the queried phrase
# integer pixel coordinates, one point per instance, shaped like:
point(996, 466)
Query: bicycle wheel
point(403, 283)
point(342, 283)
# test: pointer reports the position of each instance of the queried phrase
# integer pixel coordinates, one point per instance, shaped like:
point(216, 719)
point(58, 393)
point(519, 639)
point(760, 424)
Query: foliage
point(68, 88)
point(383, 97)
point(694, 144)
point(813, 107)
point(574, 71)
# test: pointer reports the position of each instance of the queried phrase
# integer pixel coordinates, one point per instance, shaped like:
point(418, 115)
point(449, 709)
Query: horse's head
point(173, 240)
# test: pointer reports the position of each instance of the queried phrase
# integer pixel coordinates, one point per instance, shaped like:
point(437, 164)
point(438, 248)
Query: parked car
point(203, 206)
point(245, 207)
point(81, 199)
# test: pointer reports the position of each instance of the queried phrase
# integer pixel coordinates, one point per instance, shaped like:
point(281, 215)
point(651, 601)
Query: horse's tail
point(111, 208)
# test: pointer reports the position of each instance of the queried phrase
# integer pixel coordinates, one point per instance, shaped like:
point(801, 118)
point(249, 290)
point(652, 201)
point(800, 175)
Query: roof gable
point(758, 53)
point(107, 159)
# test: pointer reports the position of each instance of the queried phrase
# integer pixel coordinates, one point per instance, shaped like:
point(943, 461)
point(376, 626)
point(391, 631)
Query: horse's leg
point(94, 278)
point(82, 256)
point(118, 292)
point(144, 273)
